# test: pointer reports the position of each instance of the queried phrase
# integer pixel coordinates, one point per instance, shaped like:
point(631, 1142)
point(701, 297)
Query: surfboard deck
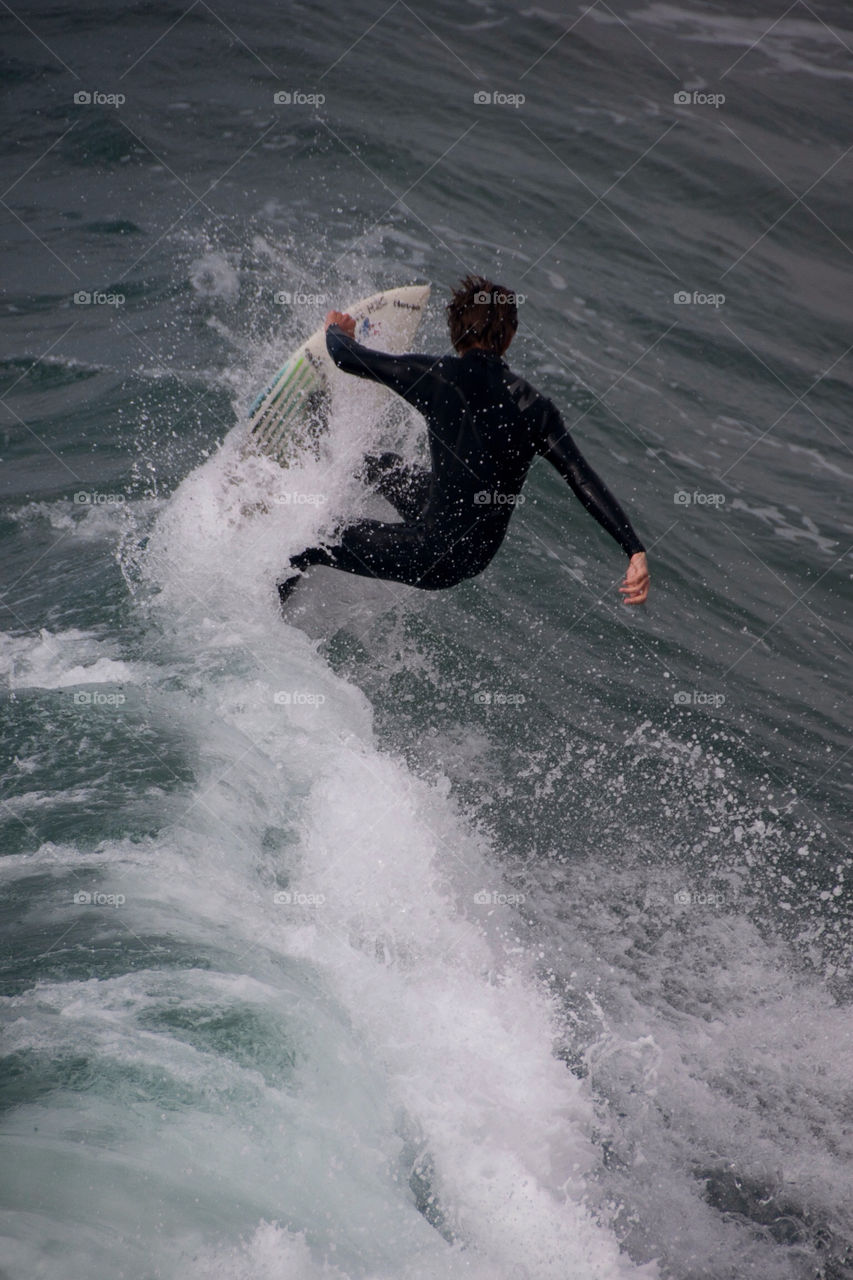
point(291, 412)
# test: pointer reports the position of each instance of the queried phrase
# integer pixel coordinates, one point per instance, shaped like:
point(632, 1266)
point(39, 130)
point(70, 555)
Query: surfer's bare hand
point(635, 584)
point(342, 320)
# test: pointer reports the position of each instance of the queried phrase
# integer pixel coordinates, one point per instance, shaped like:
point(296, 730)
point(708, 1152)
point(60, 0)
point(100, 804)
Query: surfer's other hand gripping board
point(292, 411)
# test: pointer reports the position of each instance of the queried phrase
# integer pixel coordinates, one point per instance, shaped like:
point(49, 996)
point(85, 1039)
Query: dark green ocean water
point(499, 933)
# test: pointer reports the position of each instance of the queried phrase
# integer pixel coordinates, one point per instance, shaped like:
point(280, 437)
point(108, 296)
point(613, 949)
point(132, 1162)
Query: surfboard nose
point(289, 412)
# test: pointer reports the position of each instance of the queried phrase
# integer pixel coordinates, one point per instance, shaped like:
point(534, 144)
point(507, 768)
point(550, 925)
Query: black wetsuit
point(486, 425)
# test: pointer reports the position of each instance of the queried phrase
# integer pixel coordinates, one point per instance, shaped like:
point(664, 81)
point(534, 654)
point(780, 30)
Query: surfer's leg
point(403, 484)
point(374, 549)
point(298, 565)
point(364, 548)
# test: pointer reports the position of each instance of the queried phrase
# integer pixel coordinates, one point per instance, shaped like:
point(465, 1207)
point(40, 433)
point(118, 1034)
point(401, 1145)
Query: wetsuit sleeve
point(412, 376)
point(560, 450)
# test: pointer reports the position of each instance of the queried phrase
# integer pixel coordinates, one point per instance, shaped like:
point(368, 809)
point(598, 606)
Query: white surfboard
point(291, 411)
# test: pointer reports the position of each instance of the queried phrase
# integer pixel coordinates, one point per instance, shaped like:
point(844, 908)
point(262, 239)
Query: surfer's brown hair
point(482, 313)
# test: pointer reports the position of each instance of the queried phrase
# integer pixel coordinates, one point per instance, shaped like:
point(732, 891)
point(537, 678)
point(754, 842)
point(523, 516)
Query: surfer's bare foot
point(342, 320)
point(285, 588)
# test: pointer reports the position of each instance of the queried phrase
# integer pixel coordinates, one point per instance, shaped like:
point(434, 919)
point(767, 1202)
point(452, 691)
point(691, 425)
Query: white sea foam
point(62, 660)
point(460, 1039)
point(384, 1016)
point(329, 1054)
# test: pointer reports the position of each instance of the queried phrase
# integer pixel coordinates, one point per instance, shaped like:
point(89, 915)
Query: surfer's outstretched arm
point(560, 450)
point(414, 377)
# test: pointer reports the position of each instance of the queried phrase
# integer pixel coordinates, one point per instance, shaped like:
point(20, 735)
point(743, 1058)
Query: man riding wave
point(485, 425)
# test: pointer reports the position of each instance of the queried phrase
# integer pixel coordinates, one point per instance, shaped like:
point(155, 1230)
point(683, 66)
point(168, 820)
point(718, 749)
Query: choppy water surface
point(496, 933)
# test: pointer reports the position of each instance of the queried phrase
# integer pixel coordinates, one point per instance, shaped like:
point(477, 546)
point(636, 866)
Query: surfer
point(486, 425)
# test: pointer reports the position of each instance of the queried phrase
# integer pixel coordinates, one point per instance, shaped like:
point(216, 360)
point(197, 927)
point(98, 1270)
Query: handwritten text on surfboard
point(372, 328)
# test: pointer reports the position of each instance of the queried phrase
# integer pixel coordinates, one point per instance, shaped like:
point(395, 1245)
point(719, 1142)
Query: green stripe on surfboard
point(279, 424)
point(299, 371)
point(298, 380)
